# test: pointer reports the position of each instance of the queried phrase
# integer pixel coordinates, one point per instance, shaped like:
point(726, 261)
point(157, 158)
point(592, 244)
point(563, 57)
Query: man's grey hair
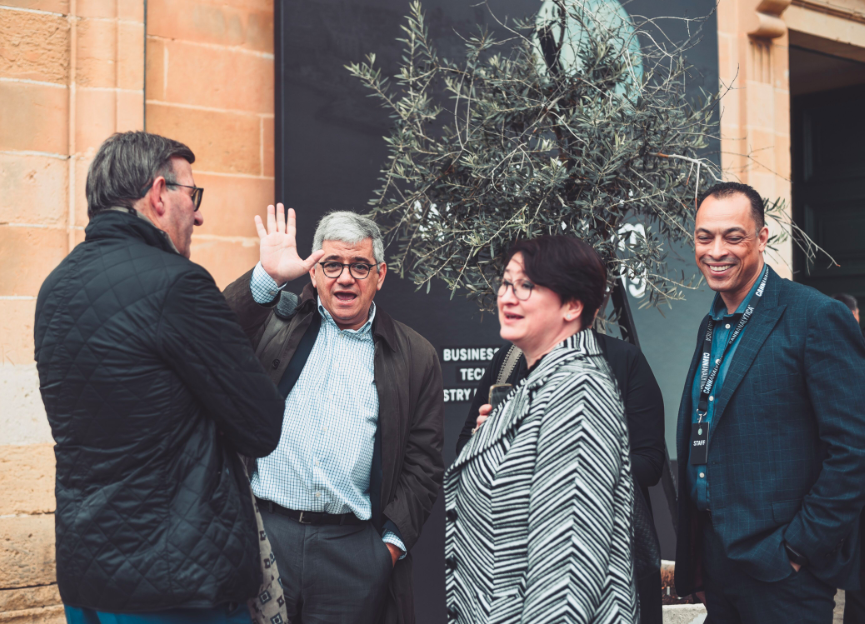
point(126, 164)
point(351, 228)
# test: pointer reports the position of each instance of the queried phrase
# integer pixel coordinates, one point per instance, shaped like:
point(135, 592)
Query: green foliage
point(509, 143)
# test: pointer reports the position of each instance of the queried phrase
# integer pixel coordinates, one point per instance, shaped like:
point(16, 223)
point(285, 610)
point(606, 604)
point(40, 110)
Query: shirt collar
point(719, 308)
point(364, 329)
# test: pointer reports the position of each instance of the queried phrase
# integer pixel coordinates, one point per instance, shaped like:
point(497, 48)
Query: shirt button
point(718, 361)
point(318, 494)
point(702, 475)
point(727, 326)
point(711, 398)
point(275, 364)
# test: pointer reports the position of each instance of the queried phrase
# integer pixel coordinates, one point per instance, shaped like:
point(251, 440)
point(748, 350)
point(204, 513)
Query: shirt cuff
point(390, 537)
point(263, 287)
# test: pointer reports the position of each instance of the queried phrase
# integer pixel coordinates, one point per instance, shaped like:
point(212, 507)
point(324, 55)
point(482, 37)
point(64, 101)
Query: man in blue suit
point(771, 433)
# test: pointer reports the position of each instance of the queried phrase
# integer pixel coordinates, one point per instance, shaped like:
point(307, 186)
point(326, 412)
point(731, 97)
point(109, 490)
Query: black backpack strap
point(301, 355)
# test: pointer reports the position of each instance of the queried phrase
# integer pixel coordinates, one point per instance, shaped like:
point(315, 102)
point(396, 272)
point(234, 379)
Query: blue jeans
point(220, 615)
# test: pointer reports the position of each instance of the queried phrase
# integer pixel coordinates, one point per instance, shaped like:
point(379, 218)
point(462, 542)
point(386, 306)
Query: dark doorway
point(828, 144)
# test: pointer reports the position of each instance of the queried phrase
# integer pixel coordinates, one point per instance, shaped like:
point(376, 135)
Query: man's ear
point(382, 271)
point(155, 198)
point(312, 277)
point(763, 238)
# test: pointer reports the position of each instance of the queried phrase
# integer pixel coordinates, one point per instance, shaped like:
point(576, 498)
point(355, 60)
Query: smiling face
point(728, 247)
point(348, 299)
point(539, 323)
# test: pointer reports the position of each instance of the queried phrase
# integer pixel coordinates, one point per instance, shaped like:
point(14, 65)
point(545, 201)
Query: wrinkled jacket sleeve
point(251, 315)
point(572, 501)
point(423, 468)
point(199, 337)
point(835, 378)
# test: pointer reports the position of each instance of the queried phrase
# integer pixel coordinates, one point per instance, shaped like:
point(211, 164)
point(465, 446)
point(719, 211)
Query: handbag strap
point(509, 363)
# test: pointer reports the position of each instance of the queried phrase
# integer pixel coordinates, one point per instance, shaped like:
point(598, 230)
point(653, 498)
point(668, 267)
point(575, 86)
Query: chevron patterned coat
point(538, 504)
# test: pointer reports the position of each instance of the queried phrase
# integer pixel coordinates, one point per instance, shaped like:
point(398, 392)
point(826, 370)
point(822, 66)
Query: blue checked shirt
point(324, 457)
point(725, 324)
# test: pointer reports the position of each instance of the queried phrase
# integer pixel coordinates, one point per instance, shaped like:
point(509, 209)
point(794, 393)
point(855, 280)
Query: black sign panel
point(330, 148)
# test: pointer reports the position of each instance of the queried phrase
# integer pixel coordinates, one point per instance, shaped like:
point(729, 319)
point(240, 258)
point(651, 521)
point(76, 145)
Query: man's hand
point(278, 247)
point(395, 553)
point(483, 414)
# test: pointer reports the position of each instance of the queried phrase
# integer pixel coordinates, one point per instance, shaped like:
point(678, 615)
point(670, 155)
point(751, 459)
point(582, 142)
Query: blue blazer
point(787, 443)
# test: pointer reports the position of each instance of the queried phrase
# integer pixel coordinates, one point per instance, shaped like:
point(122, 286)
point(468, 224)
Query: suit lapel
point(765, 318)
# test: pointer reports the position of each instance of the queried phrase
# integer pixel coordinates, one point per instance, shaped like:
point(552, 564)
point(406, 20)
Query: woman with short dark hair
point(538, 503)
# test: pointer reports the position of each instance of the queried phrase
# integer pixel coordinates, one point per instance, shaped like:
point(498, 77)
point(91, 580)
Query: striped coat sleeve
point(573, 506)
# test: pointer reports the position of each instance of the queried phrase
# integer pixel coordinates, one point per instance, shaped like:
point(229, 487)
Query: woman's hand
point(483, 414)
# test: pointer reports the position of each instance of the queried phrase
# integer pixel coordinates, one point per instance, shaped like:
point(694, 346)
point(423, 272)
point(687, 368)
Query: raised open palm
point(278, 247)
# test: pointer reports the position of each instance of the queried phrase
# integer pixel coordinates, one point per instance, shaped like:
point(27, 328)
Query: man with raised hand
point(771, 434)
point(358, 466)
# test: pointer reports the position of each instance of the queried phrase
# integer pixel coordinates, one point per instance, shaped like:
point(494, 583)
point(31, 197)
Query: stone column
point(755, 112)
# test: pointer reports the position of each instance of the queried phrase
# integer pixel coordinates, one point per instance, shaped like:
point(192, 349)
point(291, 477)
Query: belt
point(309, 517)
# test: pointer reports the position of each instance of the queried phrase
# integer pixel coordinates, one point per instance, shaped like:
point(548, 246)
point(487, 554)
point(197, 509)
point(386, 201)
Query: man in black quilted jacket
point(151, 389)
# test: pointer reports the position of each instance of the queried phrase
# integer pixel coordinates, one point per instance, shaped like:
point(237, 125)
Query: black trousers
point(330, 574)
point(733, 597)
point(649, 595)
point(854, 607)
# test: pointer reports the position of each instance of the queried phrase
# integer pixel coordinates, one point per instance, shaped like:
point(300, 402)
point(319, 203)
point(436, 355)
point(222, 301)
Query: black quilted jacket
point(151, 390)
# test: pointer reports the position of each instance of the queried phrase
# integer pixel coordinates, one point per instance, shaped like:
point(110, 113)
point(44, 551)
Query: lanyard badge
point(700, 429)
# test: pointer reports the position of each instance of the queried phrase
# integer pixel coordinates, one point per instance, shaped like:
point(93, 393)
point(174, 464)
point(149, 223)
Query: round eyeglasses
point(358, 270)
point(522, 289)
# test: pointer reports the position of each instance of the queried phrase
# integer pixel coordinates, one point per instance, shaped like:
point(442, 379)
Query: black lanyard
point(707, 379)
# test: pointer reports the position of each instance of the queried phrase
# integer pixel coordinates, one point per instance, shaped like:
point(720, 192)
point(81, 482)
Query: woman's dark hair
point(567, 266)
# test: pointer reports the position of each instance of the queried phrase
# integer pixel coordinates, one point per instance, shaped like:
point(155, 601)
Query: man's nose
point(345, 278)
point(199, 218)
point(718, 250)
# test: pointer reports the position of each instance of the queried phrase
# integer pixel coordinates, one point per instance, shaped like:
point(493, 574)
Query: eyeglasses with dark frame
point(196, 195)
point(358, 270)
point(522, 291)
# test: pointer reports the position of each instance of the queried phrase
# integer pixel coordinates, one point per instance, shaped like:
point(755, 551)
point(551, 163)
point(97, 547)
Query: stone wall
point(72, 72)
point(210, 85)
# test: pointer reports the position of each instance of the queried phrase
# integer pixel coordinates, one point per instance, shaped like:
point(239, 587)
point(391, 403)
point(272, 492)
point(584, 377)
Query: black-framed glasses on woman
point(358, 270)
point(522, 288)
point(196, 195)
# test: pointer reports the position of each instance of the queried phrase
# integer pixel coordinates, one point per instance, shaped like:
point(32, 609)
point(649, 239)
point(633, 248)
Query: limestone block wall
point(210, 85)
point(72, 72)
point(755, 113)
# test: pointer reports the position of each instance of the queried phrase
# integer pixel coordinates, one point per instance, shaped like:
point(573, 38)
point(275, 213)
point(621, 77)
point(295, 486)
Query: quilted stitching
point(151, 389)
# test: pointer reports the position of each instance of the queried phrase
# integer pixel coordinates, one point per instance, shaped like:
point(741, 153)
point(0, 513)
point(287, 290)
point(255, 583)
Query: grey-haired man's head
point(148, 173)
point(352, 269)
